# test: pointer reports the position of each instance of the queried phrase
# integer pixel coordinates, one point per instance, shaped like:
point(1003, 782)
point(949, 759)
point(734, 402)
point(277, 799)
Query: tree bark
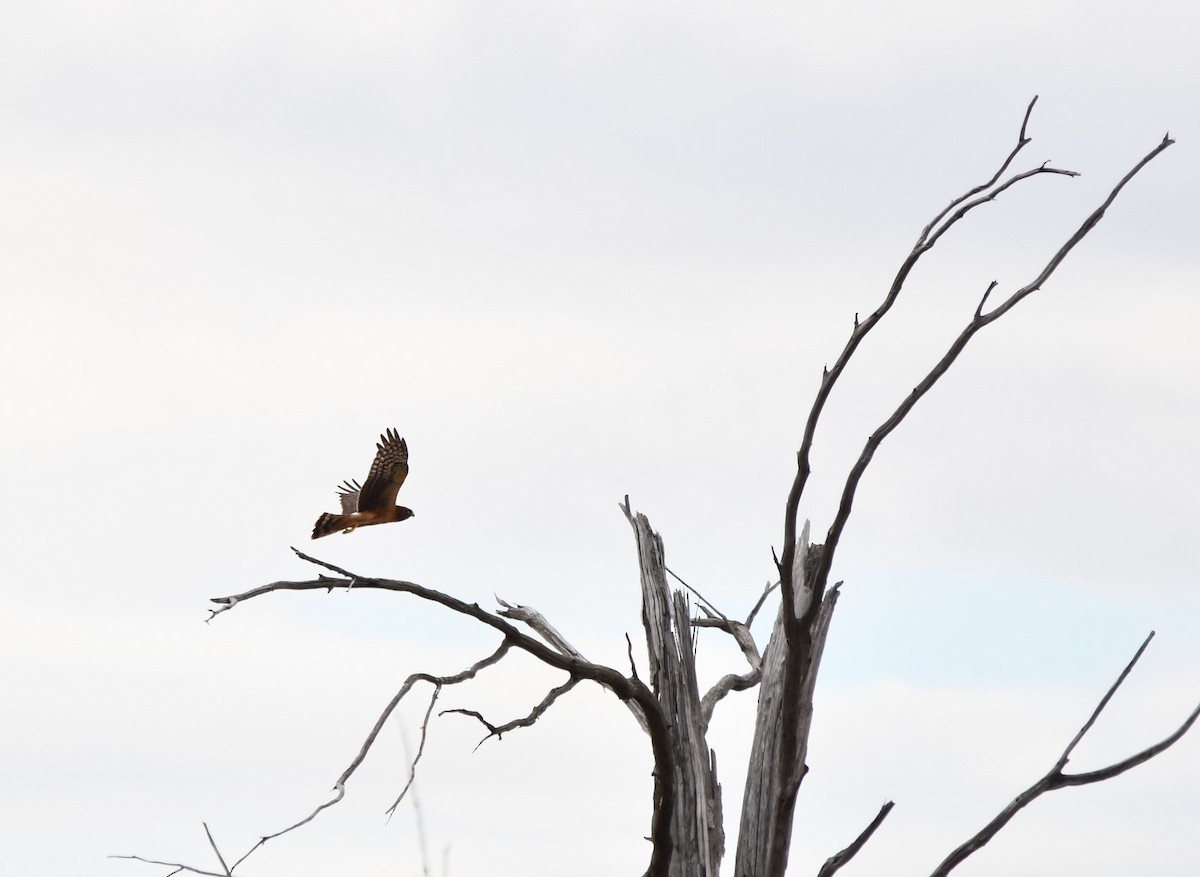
point(773, 777)
point(696, 826)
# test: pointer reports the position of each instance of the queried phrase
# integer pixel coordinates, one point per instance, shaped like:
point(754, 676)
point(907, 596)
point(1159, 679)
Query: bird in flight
point(375, 501)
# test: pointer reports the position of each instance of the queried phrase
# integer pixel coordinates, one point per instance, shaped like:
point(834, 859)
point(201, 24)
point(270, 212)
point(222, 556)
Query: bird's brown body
point(375, 501)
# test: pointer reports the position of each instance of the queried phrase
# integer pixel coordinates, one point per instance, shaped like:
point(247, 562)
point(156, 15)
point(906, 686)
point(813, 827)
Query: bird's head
point(403, 514)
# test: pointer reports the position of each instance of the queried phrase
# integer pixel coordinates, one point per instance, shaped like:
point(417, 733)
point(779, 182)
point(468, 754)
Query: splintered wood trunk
point(696, 828)
point(773, 776)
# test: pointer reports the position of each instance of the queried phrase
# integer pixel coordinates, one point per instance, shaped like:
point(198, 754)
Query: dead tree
point(687, 829)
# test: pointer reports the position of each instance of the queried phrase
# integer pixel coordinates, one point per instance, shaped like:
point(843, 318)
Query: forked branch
point(1056, 779)
point(536, 713)
point(941, 223)
point(978, 321)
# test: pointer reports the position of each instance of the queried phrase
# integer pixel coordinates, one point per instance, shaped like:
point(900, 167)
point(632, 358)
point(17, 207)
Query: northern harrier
point(375, 501)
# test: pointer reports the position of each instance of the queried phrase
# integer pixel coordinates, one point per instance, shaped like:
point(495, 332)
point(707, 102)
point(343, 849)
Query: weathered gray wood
point(543, 628)
point(696, 827)
point(766, 774)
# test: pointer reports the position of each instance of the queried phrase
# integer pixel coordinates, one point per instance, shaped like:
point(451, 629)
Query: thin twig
point(212, 843)
point(1087, 726)
point(699, 596)
point(418, 810)
point(178, 867)
point(412, 768)
point(1023, 140)
point(836, 861)
point(536, 713)
point(339, 787)
point(762, 598)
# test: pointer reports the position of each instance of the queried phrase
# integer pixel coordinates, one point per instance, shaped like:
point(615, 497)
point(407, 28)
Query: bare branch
point(977, 322)
point(627, 689)
point(991, 196)
point(418, 810)
point(723, 686)
point(740, 633)
point(412, 768)
point(178, 867)
point(1105, 773)
point(983, 300)
point(835, 862)
point(1022, 141)
point(1080, 233)
point(1087, 726)
point(339, 787)
point(212, 843)
point(796, 629)
point(546, 630)
point(762, 598)
point(339, 792)
point(624, 688)
point(745, 640)
point(536, 713)
point(938, 226)
point(715, 611)
point(438, 683)
point(538, 623)
point(1056, 779)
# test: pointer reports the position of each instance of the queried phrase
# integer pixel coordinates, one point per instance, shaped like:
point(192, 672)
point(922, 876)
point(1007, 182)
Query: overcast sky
point(573, 251)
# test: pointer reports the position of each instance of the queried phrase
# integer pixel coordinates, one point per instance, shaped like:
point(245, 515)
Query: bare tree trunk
point(696, 826)
point(773, 776)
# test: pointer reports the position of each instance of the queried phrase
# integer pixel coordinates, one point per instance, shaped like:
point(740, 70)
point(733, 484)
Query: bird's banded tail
point(328, 523)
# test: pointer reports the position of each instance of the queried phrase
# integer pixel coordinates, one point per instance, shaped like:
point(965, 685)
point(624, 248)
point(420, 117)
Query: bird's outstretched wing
point(348, 492)
point(388, 472)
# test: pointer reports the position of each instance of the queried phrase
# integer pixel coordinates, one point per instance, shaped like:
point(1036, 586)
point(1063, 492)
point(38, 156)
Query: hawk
point(375, 501)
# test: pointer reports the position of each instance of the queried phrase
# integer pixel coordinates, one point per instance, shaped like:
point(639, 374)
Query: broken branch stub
point(696, 826)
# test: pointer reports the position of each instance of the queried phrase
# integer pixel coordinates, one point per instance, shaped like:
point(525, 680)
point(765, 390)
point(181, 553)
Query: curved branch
point(834, 863)
point(740, 633)
point(1105, 773)
point(536, 713)
point(1080, 233)
point(938, 226)
point(731, 681)
point(339, 787)
point(728, 683)
point(412, 768)
point(977, 322)
point(547, 631)
point(627, 689)
point(758, 604)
